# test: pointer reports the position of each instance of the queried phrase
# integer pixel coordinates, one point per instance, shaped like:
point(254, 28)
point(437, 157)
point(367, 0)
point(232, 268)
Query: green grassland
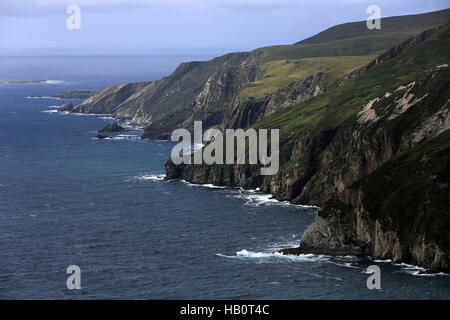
point(355, 39)
point(410, 192)
point(340, 105)
point(335, 51)
point(280, 73)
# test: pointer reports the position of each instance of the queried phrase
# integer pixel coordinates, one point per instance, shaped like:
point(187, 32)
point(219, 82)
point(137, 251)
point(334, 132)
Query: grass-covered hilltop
point(364, 131)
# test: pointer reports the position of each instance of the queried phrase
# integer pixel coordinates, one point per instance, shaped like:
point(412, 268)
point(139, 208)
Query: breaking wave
point(272, 256)
point(43, 97)
point(154, 177)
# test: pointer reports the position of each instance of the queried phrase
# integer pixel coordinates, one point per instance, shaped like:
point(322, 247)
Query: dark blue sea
point(67, 198)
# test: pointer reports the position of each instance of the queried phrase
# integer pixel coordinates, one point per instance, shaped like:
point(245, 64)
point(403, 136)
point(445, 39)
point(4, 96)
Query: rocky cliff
point(337, 149)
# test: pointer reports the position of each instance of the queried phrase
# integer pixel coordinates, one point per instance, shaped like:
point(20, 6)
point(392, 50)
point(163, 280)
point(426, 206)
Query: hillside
point(372, 152)
point(214, 90)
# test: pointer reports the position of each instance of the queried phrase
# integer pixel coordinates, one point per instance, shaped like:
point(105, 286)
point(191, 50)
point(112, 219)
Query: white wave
point(127, 135)
point(383, 261)
point(53, 107)
point(273, 256)
point(128, 125)
point(258, 199)
point(54, 81)
point(207, 185)
point(155, 177)
point(416, 270)
point(253, 197)
point(43, 97)
point(418, 274)
point(345, 264)
point(87, 114)
point(49, 111)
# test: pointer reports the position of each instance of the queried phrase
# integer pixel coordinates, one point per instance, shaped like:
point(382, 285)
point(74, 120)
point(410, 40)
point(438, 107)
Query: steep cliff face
point(398, 212)
point(245, 111)
point(343, 138)
point(218, 93)
point(108, 100)
point(201, 89)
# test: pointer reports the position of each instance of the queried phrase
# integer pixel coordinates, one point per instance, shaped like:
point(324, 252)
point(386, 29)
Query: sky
point(179, 26)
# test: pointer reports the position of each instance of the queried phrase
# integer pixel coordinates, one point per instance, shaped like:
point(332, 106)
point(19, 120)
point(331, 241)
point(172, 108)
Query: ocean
point(67, 198)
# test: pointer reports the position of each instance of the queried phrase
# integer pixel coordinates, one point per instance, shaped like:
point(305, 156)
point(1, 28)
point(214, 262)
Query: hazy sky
point(183, 26)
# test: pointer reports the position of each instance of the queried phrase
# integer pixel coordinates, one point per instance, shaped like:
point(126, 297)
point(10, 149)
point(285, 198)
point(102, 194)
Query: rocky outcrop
point(246, 111)
point(67, 107)
point(208, 91)
point(109, 99)
point(113, 127)
point(101, 136)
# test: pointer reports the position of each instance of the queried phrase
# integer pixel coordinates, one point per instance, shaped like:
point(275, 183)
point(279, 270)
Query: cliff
point(398, 212)
point(361, 151)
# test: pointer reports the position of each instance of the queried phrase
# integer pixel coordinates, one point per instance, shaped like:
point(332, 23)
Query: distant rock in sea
point(113, 127)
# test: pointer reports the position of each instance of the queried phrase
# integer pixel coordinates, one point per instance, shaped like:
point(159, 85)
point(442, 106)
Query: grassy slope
point(336, 51)
point(355, 39)
point(280, 73)
point(333, 108)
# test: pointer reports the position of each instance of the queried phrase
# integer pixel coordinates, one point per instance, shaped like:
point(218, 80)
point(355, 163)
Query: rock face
point(386, 218)
point(113, 127)
point(208, 91)
point(246, 111)
point(109, 99)
point(373, 154)
point(67, 107)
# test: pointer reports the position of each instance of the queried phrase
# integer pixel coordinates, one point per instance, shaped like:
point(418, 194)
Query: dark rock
point(67, 107)
point(113, 127)
point(367, 173)
point(102, 136)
